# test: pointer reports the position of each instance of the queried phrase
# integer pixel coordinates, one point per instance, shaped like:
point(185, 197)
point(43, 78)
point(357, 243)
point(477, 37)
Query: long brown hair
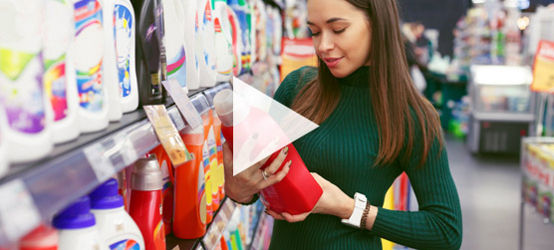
point(397, 104)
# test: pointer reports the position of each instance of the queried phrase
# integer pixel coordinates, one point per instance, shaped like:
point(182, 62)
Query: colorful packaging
point(168, 186)
point(87, 53)
point(110, 75)
point(116, 228)
point(190, 213)
point(175, 50)
point(125, 38)
point(77, 227)
point(27, 124)
point(146, 202)
point(42, 238)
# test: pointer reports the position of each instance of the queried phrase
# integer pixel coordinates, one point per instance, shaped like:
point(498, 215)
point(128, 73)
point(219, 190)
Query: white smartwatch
point(360, 203)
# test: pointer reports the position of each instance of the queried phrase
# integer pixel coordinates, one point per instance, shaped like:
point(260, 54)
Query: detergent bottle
point(116, 228)
point(125, 38)
point(77, 227)
point(59, 75)
point(41, 238)
point(110, 75)
point(174, 44)
point(190, 212)
point(150, 51)
point(189, 22)
point(27, 127)
point(87, 53)
point(146, 202)
point(298, 192)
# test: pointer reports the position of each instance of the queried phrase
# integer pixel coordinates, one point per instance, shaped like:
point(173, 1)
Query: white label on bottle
point(183, 103)
point(18, 212)
point(101, 164)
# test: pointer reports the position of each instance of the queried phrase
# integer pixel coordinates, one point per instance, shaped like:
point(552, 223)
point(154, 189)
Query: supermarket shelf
point(74, 169)
point(213, 231)
point(504, 117)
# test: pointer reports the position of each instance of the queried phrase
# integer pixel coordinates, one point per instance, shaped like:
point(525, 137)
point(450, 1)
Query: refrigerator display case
point(502, 108)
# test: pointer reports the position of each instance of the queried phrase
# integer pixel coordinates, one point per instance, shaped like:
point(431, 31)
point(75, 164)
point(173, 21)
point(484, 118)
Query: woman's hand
point(333, 201)
point(243, 186)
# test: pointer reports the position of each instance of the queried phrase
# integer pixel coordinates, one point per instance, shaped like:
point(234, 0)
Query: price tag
point(167, 134)
point(18, 212)
point(127, 149)
point(101, 165)
point(183, 103)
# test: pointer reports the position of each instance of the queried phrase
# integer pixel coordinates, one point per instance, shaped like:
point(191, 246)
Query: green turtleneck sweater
point(342, 150)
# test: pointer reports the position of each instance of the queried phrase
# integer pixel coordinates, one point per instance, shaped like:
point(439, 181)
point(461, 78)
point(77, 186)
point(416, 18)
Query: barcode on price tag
point(183, 103)
point(101, 164)
point(18, 212)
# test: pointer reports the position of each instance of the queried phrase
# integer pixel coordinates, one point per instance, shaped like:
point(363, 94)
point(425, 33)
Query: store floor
point(489, 189)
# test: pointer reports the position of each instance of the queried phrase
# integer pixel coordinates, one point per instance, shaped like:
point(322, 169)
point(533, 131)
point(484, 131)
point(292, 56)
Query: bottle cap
point(106, 196)
point(75, 216)
point(147, 175)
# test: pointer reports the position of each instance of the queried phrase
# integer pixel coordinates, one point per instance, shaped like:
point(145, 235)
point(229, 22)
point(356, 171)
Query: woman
point(373, 126)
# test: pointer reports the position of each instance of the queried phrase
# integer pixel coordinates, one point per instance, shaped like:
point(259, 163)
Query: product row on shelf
point(71, 67)
point(538, 175)
point(40, 191)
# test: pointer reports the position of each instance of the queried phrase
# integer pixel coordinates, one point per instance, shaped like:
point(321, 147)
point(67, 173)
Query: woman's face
point(341, 34)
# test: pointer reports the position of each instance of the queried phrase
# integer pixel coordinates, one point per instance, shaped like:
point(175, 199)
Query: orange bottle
point(220, 172)
point(209, 139)
point(190, 210)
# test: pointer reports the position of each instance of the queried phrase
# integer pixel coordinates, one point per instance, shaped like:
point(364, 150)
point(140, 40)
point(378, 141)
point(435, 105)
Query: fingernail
point(286, 150)
point(289, 163)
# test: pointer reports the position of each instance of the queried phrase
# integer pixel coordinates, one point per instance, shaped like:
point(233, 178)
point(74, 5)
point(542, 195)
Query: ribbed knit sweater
point(342, 150)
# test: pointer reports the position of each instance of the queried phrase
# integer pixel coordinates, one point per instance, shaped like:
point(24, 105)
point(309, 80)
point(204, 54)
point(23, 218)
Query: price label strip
point(18, 212)
point(167, 134)
point(183, 103)
point(100, 161)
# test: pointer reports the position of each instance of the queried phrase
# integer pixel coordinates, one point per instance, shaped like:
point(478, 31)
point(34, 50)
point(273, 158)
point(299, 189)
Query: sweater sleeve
point(438, 223)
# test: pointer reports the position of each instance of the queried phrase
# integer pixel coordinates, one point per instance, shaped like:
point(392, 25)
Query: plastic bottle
point(236, 41)
point(41, 238)
point(167, 191)
point(174, 44)
point(205, 44)
point(211, 145)
point(110, 75)
point(77, 227)
point(146, 202)
point(190, 24)
point(125, 39)
point(87, 52)
point(298, 192)
point(223, 44)
point(190, 212)
point(116, 228)
point(59, 74)
point(150, 52)
point(4, 163)
point(27, 127)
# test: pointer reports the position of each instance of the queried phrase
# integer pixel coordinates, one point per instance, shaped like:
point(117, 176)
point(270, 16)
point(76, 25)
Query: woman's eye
point(314, 33)
point(339, 31)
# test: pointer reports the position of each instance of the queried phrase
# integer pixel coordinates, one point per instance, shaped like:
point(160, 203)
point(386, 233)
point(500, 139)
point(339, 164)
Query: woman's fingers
point(275, 215)
point(276, 164)
point(295, 218)
point(275, 178)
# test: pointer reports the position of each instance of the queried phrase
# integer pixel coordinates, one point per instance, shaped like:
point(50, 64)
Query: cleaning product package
point(168, 180)
point(205, 44)
point(189, 24)
point(223, 43)
point(190, 212)
point(125, 24)
point(110, 76)
point(87, 53)
point(174, 43)
point(4, 163)
point(27, 125)
point(146, 201)
point(116, 228)
point(298, 192)
point(150, 51)
point(236, 41)
point(59, 74)
point(77, 228)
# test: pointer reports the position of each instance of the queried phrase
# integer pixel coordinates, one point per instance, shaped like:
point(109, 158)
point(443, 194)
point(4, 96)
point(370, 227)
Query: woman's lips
point(332, 61)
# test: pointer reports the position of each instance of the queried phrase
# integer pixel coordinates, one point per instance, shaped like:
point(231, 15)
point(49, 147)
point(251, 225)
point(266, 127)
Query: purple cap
point(75, 216)
point(106, 196)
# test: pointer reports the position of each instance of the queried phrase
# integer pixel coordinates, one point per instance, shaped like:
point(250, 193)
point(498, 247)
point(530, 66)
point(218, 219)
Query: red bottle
point(298, 192)
point(146, 202)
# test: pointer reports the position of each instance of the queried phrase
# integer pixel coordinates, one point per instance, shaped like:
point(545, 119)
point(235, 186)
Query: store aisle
point(489, 189)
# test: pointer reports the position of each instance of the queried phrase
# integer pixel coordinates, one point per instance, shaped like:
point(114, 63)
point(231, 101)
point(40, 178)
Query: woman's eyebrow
point(331, 20)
